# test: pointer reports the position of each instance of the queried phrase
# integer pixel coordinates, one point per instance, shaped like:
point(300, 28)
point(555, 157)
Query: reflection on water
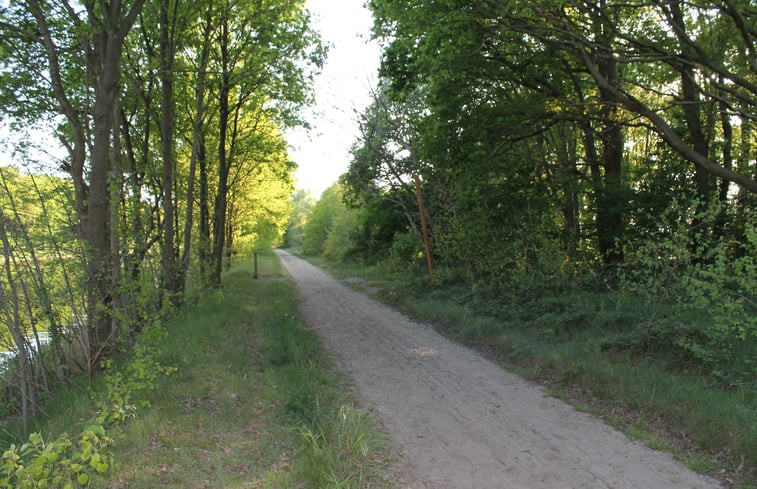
point(8, 354)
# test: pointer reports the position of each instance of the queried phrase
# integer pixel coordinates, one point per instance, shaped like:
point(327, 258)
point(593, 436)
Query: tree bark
point(204, 205)
point(609, 191)
point(197, 149)
point(691, 108)
point(166, 48)
point(107, 49)
point(219, 218)
point(98, 206)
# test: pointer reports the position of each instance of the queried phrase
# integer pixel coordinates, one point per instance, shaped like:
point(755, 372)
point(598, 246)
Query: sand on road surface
point(459, 421)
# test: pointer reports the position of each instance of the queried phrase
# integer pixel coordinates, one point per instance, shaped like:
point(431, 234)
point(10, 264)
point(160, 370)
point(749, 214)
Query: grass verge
point(560, 341)
point(252, 403)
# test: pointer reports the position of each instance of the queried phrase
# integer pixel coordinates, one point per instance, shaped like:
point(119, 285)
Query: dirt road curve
point(460, 421)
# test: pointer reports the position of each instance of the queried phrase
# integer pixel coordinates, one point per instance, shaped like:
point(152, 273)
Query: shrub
point(70, 461)
point(407, 249)
point(702, 302)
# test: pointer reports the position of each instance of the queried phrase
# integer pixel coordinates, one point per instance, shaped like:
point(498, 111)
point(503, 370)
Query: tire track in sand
point(459, 421)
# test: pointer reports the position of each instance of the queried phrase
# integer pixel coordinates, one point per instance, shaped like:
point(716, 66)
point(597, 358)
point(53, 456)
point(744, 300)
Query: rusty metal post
point(424, 228)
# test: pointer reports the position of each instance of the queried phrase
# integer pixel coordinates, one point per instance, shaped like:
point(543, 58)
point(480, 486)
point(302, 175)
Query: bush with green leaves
point(407, 249)
point(65, 462)
point(71, 461)
point(340, 240)
point(139, 375)
point(701, 295)
point(331, 226)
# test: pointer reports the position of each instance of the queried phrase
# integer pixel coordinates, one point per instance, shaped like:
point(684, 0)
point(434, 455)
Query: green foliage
point(407, 249)
point(378, 222)
point(303, 203)
point(340, 240)
point(61, 463)
point(261, 196)
point(71, 461)
point(330, 227)
point(316, 228)
point(703, 314)
point(701, 300)
point(126, 387)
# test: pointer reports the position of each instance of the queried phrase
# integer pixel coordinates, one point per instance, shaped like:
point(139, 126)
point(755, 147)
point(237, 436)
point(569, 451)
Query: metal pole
point(424, 228)
point(255, 263)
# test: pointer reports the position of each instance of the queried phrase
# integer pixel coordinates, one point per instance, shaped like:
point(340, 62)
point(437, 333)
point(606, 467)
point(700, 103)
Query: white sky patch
point(342, 90)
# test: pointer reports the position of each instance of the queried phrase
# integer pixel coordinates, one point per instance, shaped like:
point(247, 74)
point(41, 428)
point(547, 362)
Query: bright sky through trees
point(343, 88)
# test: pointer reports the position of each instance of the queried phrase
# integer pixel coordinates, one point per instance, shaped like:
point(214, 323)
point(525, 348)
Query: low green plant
point(70, 461)
point(64, 462)
point(407, 249)
point(334, 453)
point(125, 387)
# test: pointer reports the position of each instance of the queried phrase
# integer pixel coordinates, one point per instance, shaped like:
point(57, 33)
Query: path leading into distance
point(459, 421)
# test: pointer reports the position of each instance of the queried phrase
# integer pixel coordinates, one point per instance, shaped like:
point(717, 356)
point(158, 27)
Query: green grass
point(560, 337)
point(252, 403)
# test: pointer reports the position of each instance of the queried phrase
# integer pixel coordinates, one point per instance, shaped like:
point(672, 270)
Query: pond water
point(8, 354)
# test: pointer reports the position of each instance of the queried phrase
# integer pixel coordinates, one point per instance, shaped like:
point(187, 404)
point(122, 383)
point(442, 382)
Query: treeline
point(603, 145)
point(171, 114)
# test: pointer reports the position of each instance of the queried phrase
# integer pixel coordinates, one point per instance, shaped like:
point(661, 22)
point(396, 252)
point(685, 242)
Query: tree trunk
point(133, 260)
point(204, 204)
point(229, 233)
point(567, 159)
point(98, 206)
point(219, 218)
point(166, 48)
point(106, 65)
point(197, 146)
point(609, 192)
point(725, 123)
point(116, 192)
point(101, 41)
point(691, 109)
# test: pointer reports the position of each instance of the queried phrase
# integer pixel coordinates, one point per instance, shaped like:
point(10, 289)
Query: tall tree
point(96, 32)
point(261, 47)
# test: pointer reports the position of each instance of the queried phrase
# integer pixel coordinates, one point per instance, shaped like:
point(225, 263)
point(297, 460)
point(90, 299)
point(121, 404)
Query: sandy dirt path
point(459, 421)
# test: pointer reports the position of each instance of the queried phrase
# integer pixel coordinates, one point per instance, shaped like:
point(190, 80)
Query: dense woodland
point(608, 148)
point(171, 115)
